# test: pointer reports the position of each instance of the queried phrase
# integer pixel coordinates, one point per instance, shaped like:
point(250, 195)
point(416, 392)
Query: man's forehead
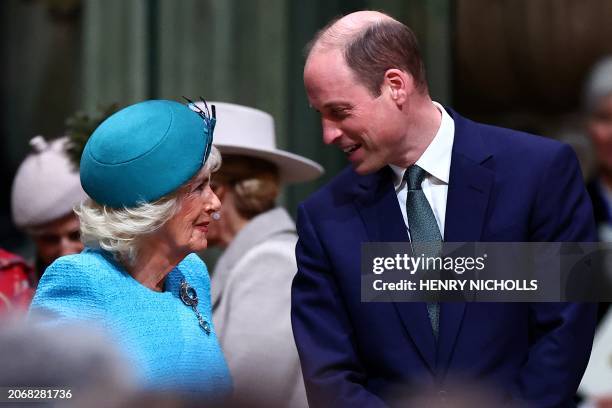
point(327, 70)
point(324, 60)
point(326, 93)
point(333, 89)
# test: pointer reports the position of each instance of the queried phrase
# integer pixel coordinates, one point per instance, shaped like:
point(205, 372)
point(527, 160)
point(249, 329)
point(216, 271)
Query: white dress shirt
point(436, 161)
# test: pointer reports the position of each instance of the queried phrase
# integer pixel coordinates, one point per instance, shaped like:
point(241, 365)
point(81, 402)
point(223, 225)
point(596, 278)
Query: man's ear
point(399, 84)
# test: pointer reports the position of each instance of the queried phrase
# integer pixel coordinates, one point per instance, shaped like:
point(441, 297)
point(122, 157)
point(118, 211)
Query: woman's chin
point(199, 245)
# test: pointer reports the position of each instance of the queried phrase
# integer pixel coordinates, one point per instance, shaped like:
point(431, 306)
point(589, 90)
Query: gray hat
point(46, 186)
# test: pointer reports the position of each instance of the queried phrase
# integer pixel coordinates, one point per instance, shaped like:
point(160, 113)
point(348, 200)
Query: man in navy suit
point(482, 183)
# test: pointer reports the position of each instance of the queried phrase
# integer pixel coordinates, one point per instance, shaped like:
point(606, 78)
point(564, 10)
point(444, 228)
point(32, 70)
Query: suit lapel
point(379, 209)
point(469, 188)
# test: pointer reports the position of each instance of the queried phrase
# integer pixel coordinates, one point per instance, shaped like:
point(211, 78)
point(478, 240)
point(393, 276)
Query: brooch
point(190, 298)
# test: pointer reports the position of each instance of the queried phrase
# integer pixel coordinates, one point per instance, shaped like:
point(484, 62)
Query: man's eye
point(339, 113)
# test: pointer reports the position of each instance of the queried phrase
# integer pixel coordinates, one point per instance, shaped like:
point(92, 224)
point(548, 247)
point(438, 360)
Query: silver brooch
point(190, 298)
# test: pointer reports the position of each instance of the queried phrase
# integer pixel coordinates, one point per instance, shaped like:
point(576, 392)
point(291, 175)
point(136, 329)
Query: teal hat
point(144, 152)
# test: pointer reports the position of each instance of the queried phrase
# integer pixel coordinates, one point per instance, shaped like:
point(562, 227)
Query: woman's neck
point(232, 229)
point(153, 263)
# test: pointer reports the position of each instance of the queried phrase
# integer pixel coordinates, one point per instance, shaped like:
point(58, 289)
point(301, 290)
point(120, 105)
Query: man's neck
point(422, 131)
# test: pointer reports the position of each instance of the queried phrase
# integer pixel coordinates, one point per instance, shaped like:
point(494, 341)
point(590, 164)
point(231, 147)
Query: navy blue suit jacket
point(504, 186)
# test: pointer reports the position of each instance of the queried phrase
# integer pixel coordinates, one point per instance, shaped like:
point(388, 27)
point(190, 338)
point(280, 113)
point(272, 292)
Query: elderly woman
point(252, 279)
point(147, 170)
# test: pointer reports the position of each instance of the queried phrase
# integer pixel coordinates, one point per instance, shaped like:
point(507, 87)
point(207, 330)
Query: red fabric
point(15, 290)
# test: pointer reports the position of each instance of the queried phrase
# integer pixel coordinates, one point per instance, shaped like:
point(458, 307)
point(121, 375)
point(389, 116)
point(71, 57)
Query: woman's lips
point(203, 226)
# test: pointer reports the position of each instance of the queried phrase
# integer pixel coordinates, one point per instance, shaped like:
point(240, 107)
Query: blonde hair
point(254, 182)
point(117, 230)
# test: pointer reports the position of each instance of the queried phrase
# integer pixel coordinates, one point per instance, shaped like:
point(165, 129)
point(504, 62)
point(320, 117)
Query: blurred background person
point(147, 170)
point(596, 385)
point(251, 282)
point(598, 112)
point(15, 289)
point(45, 190)
point(598, 105)
point(77, 360)
point(81, 362)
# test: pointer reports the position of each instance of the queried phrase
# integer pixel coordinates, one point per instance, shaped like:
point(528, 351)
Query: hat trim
point(293, 168)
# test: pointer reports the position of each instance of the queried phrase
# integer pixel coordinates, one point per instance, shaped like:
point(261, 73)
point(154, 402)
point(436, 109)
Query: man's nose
point(331, 131)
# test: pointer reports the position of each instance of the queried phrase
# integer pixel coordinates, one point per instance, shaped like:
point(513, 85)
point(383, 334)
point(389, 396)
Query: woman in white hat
point(251, 283)
point(46, 188)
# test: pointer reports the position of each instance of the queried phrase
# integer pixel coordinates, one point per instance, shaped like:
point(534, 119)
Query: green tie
point(423, 228)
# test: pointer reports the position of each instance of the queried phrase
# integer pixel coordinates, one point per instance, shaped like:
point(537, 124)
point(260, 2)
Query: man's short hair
point(380, 46)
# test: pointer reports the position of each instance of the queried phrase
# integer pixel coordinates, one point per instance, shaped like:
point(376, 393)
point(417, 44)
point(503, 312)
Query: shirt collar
point(436, 159)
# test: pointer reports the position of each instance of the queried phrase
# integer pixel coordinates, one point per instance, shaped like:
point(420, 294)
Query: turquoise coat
point(156, 331)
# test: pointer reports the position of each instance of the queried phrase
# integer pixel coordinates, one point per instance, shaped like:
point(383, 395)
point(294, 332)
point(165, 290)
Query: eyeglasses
point(210, 119)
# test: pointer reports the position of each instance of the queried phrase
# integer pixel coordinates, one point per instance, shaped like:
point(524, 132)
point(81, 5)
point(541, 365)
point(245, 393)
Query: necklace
point(190, 298)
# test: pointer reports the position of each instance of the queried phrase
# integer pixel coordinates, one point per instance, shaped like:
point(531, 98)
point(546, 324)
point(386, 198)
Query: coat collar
point(260, 229)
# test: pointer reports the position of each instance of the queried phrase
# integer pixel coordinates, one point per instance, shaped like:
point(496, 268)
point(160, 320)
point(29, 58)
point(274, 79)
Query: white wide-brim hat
point(46, 186)
point(250, 132)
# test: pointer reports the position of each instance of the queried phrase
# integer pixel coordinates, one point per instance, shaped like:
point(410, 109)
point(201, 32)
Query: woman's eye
point(205, 183)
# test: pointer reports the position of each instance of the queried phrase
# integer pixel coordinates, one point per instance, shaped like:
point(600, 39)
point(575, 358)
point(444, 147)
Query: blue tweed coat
point(156, 330)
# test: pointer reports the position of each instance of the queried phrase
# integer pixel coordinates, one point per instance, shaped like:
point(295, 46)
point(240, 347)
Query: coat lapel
point(469, 188)
point(379, 209)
